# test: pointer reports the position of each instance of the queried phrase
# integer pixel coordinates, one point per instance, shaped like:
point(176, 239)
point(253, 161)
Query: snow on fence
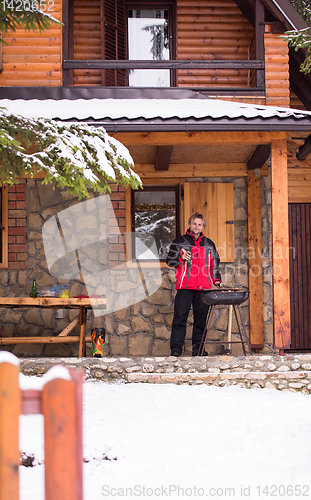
point(59, 400)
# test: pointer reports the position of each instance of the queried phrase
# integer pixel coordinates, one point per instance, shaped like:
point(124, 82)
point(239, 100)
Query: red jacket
point(204, 269)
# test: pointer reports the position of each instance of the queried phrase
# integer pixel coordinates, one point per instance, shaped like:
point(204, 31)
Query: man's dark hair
point(197, 216)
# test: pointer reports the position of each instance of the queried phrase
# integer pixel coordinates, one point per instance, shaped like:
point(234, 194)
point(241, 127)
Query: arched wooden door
point(300, 275)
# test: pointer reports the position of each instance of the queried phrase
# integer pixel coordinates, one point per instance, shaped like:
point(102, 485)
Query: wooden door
point(300, 274)
point(216, 202)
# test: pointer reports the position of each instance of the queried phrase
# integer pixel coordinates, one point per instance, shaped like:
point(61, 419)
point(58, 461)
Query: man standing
point(196, 263)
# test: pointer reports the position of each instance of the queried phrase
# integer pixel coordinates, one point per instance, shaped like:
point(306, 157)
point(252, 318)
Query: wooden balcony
point(250, 66)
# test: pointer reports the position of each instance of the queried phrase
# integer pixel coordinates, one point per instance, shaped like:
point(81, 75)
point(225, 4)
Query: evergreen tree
point(76, 156)
point(31, 14)
point(301, 39)
point(303, 8)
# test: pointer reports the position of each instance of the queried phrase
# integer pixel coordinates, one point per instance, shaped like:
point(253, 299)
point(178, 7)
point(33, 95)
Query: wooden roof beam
point(259, 157)
point(193, 138)
point(163, 157)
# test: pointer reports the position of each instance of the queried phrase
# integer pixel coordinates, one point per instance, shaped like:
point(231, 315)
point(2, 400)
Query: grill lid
point(224, 296)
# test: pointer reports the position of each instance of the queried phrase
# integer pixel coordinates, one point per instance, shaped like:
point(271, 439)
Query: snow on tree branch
point(30, 14)
point(301, 39)
point(75, 156)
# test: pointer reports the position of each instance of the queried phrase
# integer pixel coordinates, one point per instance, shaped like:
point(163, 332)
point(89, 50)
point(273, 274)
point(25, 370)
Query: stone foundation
point(286, 373)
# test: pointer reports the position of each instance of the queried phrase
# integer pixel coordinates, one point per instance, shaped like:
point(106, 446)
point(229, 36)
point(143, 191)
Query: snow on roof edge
point(148, 109)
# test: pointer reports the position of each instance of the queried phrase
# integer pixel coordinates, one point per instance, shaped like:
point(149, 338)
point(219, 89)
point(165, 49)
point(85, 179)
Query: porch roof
point(187, 114)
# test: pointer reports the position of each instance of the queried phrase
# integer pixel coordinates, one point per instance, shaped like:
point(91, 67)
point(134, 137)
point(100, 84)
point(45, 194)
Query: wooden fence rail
point(60, 402)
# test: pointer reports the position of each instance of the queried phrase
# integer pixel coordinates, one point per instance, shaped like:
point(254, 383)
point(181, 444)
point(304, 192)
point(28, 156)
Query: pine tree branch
point(75, 156)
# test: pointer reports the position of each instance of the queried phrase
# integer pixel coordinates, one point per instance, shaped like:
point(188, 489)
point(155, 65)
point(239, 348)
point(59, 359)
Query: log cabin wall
point(299, 172)
point(276, 71)
point(33, 58)
point(208, 30)
point(87, 40)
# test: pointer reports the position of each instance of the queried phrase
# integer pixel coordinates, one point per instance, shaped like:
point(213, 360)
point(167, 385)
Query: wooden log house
point(191, 106)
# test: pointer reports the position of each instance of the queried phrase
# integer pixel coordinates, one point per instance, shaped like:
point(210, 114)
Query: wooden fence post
point(10, 408)
point(59, 408)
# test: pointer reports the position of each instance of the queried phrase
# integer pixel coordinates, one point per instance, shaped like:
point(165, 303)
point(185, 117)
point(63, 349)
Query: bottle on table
point(34, 289)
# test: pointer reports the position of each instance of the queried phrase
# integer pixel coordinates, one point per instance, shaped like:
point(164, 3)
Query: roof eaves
point(284, 11)
point(201, 125)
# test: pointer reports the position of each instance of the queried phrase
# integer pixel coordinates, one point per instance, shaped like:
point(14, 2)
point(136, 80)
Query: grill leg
point(240, 332)
point(244, 332)
point(206, 330)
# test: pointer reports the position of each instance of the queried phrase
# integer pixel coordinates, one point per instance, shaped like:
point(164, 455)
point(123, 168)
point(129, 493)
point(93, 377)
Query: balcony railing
point(251, 65)
point(110, 64)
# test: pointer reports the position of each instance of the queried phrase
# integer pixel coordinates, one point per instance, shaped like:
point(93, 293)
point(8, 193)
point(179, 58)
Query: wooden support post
point(82, 346)
point(255, 261)
point(66, 51)
point(280, 245)
point(59, 408)
point(10, 408)
point(259, 35)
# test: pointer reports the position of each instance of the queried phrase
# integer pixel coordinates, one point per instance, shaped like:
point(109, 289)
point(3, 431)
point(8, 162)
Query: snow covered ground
point(170, 441)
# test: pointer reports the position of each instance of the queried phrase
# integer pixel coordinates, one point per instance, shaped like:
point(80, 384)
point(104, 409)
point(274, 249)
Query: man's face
point(196, 227)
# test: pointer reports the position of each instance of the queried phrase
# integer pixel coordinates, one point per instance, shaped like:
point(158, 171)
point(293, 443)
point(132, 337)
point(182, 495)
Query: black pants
point(183, 301)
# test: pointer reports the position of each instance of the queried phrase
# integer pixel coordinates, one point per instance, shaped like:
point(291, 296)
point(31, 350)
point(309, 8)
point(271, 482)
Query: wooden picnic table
point(82, 304)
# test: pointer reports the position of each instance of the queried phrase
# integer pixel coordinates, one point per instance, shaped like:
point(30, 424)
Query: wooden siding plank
point(300, 277)
point(214, 30)
point(87, 21)
point(300, 270)
point(33, 58)
point(280, 244)
point(299, 195)
point(291, 271)
point(276, 71)
point(296, 301)
point(304, 303)
point(308, 271)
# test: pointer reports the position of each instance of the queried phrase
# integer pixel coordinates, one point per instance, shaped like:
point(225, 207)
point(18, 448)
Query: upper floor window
point(148, 39)
point(121, 30)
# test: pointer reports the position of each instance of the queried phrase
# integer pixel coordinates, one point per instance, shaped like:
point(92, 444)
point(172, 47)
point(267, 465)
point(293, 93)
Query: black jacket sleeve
point(216, 262)
point(172, 259)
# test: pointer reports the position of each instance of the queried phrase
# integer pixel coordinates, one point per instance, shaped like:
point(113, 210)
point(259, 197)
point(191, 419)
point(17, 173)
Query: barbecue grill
point(220, 297)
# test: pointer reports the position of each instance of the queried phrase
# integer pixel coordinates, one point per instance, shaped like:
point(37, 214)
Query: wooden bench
point(82, 304)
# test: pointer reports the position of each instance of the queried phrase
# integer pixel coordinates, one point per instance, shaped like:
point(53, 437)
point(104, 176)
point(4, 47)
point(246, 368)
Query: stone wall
point(143, 328)
point(285, 373)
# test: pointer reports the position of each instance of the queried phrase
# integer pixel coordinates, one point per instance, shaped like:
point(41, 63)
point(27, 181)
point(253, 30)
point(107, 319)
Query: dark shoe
point(176, 354)
point(195, 350)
